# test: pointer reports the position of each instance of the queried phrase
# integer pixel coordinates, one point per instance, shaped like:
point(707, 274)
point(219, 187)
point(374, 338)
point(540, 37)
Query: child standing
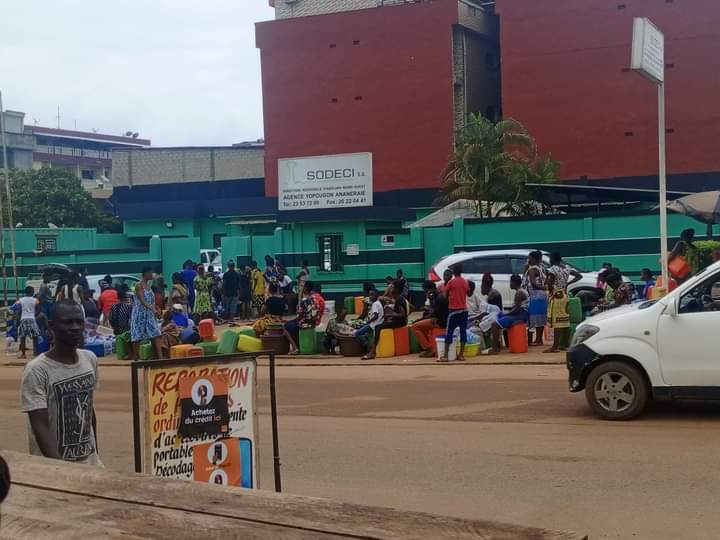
point(28, 325)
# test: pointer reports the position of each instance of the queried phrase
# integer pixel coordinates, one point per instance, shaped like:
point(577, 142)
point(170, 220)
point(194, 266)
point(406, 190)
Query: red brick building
point(361, 76)
point(565, 75)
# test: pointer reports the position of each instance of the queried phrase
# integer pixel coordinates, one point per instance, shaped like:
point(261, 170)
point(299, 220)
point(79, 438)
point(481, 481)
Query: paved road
point(500, 442)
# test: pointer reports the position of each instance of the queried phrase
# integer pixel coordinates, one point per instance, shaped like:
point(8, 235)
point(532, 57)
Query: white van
point(660, 349)
point(211, 257)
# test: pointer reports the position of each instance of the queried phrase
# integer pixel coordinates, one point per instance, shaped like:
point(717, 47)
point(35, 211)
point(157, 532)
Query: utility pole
point(2, 218)
point(8, 202)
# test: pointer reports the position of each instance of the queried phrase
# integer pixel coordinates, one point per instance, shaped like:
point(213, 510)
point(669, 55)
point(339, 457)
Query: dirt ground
point(505, 442)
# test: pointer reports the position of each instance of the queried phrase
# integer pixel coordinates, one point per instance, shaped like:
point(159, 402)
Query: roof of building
point(90, 136)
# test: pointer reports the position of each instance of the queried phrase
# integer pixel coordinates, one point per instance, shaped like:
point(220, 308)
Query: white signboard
point(338, 181)
point(353, 250)
point(648, 50)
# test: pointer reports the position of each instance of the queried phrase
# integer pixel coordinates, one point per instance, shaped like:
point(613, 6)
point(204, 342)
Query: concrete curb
point(123, 363)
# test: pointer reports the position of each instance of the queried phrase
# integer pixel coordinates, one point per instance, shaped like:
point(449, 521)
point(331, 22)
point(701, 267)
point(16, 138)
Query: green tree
point(492, 165)
point(56, 196)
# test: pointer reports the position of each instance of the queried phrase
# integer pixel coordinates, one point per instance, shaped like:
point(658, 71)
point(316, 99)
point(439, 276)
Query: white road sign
point(648, 50)
point(337, 181)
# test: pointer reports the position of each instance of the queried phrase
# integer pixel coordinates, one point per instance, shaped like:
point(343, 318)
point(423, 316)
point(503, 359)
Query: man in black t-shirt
point(230, 291)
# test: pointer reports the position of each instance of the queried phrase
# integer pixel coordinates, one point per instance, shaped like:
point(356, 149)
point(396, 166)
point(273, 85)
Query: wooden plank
point(291, 511)
point(32, 513)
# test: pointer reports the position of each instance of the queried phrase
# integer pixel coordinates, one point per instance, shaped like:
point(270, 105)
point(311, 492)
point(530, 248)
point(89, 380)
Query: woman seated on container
point(308, 316)
point(179, 292)
point(364, 315)
point(272, 312)
point(337, 328)
point(396, 317)
point(482, 314)
point(170, 334)
point(518, 314)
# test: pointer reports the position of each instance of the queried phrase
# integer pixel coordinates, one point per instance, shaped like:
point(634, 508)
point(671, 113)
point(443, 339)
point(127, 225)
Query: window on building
point(330, 247)
point(46, 243)
point(88, 174)
point(217, 240)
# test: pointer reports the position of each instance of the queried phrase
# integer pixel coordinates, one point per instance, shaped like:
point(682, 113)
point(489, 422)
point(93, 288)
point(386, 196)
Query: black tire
point(616, 391)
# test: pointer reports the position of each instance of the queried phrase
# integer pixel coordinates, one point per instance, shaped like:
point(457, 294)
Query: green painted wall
point(175, 251)
point(117, 241)
point(208, 228)
point(146, 229)
point(628, 241)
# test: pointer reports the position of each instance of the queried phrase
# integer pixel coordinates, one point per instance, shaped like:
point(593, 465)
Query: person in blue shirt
point(179, 318)
point(188, 275)
point(647, 278)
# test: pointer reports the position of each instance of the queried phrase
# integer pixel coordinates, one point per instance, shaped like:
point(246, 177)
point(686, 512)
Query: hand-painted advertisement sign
point(198, 421)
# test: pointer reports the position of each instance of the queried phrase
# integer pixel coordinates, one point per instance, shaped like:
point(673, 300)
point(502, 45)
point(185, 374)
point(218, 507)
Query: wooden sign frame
point(141, 387)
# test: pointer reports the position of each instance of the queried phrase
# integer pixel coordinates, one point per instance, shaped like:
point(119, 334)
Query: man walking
point(57, 392)
point(230, 291)
point(457, 292)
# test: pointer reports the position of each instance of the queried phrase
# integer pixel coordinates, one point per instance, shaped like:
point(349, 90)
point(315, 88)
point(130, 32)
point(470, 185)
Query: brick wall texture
point(146, 166)
point(304, 8)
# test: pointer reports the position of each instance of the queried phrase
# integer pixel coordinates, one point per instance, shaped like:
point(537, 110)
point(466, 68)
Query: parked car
point(94, 283)
point(659, 349)
point(502, 264)
point(58, 271)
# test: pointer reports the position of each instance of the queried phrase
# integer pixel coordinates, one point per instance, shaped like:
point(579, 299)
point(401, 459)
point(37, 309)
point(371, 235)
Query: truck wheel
point(616, 391)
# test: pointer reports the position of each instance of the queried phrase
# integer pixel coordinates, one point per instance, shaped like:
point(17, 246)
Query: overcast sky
point(180, 72)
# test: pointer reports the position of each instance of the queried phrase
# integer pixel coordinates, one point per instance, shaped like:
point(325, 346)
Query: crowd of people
point(540, 300)
point(271, 299)
point(168, 315)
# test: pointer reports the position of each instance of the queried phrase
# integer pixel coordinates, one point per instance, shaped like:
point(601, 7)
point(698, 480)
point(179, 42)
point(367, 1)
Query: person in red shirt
point(457, 292)
point(108, 298)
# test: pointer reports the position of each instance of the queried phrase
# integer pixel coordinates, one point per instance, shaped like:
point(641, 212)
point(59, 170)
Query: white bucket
point(452, 353)
point(330, 307)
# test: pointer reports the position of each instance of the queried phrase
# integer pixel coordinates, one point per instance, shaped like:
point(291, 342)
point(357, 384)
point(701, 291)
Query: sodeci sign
point(315, 182)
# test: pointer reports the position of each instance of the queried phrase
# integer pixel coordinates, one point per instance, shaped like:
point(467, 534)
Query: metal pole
point(2, 219)
point(8, 199)
point(274, 420)
point(663, 187)
point(136, 416)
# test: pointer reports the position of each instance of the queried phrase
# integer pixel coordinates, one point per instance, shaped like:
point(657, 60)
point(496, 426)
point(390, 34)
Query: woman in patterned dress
point(534, 283)
point(143, 321)
point(559, 277)
point(204, 284)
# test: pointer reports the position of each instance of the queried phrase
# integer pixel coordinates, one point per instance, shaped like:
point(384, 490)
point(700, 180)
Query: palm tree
point(491, 165)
